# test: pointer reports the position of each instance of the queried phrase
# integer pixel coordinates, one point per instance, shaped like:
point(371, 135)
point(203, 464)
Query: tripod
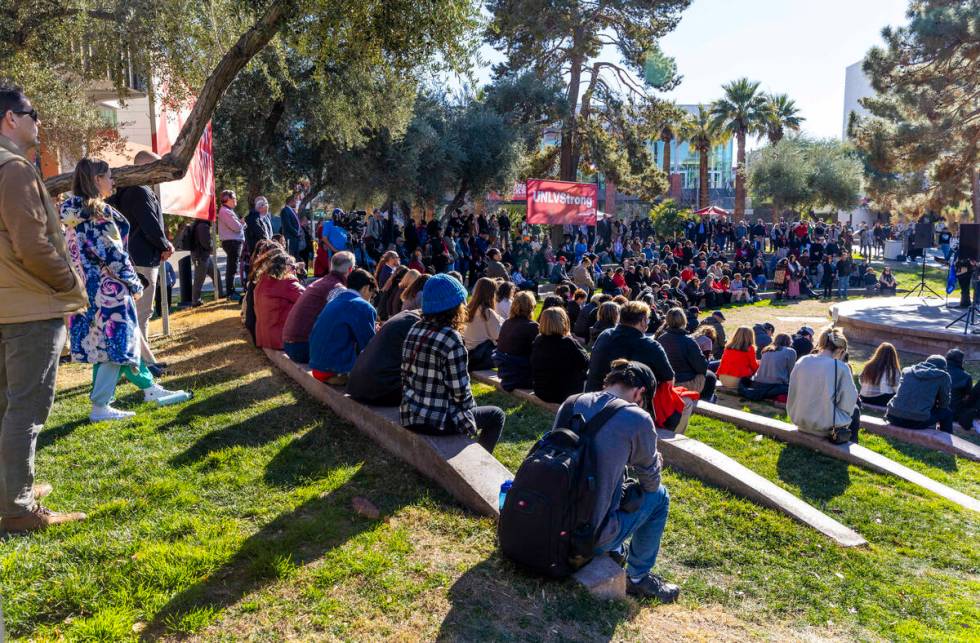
point(922, 288)
point(968, 318)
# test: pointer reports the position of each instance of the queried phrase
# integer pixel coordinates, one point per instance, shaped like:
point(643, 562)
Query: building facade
point(856, 87)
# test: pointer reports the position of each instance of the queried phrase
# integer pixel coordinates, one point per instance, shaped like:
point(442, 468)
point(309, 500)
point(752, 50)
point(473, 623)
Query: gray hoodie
point(924, 386)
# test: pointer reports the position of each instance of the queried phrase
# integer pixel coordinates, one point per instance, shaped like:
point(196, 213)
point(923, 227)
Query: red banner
point(561, 202)
point(193, 195)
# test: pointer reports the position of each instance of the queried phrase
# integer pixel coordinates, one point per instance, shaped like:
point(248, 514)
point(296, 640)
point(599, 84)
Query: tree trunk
point(568, 165)
point(666, 138)
point(703, 194)
point(174, 164)
point(740, 177)
point(459, 199)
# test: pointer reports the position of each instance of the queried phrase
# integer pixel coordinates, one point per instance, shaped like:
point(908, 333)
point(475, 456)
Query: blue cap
point(441, 293)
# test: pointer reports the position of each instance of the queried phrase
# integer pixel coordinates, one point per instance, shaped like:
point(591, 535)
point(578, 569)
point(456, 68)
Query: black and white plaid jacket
point(435, 383)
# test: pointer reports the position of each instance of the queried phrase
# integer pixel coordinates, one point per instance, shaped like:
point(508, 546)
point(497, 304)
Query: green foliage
point(668, 218)
point(781, 114)
point(803, 173)
point(742, 110)
point(921, 144)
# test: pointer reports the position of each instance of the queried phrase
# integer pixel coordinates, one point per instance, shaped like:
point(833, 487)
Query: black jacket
point(202, 239)
point(683, 353)
point(376, 375)
point(584, 321)
point(257, 228)
point(516, 336)
point(558, 367)
point(626, 342)
point(802, 345)
point(147, 235)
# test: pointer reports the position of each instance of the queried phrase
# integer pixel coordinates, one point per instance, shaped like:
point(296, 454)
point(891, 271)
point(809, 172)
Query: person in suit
point(291, 226)
point(258, 227)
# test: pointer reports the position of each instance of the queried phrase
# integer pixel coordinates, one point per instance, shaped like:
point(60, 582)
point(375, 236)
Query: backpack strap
point(567, 412)
point(598, 420)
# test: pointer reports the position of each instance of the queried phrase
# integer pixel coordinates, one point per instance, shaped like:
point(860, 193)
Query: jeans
point(233, 251)
point(645, 527)
point(761, 281)
point(947, 251)
point(942, 417)
point(842, 284)
point(298, 352)
point(29, 355)
point(758, 391)
point(105, 376)
point(877, 400)
point(489, 425)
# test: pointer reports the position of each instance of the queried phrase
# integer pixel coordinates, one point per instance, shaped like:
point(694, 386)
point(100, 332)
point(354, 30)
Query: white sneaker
point(976, 426)
point(108, 414)
point(163, 397)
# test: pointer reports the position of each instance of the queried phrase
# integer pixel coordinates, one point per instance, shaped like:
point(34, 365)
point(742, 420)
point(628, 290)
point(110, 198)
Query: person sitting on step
point(436, 396)
point(302, 316)
point(961, 382)
point(881, 376)
point(739, 359)
point(771, 381)
point(558, 362)
point(629, 510)
point(343, 329)
point(376, 378)
point(685, 356)
point(512, 357)
point(923, 397)
point(823, 399)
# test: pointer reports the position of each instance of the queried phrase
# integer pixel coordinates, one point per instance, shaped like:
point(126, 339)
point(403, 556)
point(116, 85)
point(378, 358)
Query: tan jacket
point(582, 278)
point(37, 280)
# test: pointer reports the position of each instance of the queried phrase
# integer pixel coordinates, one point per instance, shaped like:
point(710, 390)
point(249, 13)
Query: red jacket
point(274, 298)
point(299, 322)
point(738, 363)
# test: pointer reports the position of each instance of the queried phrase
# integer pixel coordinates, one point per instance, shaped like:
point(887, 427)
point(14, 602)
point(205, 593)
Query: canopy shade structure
point(712, 211)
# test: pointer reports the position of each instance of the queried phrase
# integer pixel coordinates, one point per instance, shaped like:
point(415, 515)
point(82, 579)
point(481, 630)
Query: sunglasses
point(32, 114)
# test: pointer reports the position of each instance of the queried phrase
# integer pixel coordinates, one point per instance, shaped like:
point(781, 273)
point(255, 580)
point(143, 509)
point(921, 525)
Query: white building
point(856, 87)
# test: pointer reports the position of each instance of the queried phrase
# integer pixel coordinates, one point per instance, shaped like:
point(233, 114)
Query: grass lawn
point(230, 517)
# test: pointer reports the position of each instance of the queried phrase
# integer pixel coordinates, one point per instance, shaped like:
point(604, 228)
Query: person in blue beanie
point(436, 397)
point(343, 328)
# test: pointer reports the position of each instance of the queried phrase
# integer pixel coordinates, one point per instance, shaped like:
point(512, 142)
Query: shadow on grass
point(228, 401)
point(930, 457)
point(291, 540)
point(494, 601)
point(819, 478)
point(50, 435)
point(253, 431)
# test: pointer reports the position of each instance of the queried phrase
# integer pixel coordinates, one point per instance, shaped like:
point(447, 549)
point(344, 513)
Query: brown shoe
point(40, 518)
point(338, 380)
point(41, 490)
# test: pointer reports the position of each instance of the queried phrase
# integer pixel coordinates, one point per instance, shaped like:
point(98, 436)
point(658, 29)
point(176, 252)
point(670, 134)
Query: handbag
point(838, 434)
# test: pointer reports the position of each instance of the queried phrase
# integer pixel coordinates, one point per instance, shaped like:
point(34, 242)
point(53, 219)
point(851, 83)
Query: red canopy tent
point(712, 211)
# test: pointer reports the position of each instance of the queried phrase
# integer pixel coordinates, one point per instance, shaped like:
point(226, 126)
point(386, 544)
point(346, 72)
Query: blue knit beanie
point(441, 293)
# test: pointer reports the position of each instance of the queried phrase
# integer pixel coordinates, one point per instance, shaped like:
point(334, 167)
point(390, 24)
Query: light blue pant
point(842, 284)
point(106, 376)
point(646, 527)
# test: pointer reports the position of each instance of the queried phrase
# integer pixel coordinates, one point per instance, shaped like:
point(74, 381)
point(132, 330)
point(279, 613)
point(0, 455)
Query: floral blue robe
point(108, 331)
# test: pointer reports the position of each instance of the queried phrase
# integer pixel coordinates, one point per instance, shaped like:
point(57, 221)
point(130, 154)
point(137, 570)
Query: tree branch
point(174, 164)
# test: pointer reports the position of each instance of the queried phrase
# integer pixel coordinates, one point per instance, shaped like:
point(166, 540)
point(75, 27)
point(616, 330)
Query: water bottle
point(504, 488)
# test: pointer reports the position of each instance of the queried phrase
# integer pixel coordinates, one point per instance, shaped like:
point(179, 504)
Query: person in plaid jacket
point(436, 397)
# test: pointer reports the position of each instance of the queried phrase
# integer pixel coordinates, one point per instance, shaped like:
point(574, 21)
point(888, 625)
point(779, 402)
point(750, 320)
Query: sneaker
point(39, 518)
point(652, 586)
point(42, 489)
point(976, 426)
point(163, 397)
point(338, 380)
point(619, 555)
point(108, 414)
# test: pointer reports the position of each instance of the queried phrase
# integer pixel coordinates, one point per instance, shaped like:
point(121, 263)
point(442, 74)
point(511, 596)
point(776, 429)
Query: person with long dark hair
point(881, 376)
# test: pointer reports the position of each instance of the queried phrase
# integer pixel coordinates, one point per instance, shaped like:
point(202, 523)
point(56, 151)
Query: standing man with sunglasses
point(38, 287)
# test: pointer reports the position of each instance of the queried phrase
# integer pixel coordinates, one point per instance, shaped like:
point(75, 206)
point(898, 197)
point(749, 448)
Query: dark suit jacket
point(290, 223)
point(147, 238)
point(257, 228)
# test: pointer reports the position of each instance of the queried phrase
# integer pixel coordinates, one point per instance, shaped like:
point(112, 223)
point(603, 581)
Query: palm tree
point(702, 133)
point(742, 111)
point(781, 115)
point(671, 119)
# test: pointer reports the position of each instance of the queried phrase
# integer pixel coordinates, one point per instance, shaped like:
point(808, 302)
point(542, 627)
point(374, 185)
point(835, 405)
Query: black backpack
point(545, 524)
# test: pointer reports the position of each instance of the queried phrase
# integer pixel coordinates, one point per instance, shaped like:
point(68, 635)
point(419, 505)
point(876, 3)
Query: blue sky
point(798, 47)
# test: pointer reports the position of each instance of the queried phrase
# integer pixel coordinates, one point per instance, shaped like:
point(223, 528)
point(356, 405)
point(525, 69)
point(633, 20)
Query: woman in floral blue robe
point(106, 334)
